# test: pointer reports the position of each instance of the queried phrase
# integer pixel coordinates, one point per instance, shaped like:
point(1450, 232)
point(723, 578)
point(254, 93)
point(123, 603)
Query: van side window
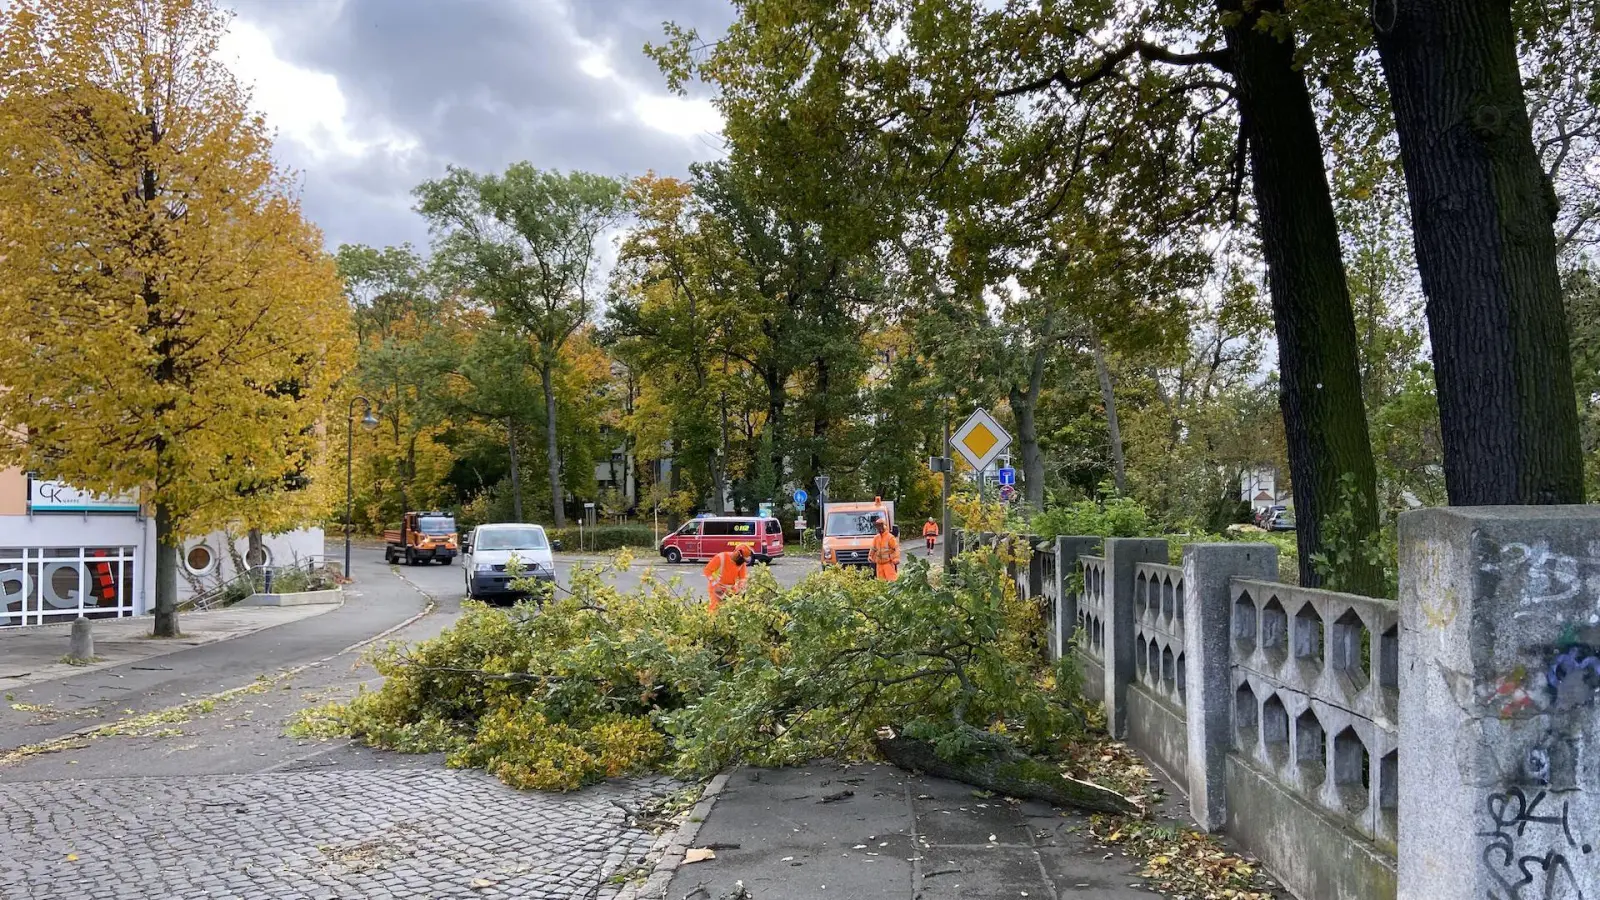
point(742, 528)
point(718, 529)
point(690, 528)
point(774, 528)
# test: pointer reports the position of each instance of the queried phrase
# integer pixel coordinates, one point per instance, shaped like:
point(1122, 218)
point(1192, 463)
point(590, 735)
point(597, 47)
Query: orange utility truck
point(848, 530)
point(422, 537)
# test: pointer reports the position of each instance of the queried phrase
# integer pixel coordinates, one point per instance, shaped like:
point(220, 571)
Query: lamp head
point(369, 421)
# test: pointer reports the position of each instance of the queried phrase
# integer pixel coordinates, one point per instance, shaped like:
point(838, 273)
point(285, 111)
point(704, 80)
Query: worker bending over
point(726, 573)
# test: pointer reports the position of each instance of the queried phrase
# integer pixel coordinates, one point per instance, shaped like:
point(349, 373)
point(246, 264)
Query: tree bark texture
point(1108, 396)
point(1007, 772)
point(166, 624)
point(1483, 215)
point(1025, 405)
point(1325, 423)
point(516, 474)
point(552, 449)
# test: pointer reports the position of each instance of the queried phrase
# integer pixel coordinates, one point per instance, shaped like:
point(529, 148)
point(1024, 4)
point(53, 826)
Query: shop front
point(65, 554)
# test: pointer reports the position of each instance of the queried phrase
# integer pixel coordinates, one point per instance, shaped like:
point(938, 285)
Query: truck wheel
point(411, 558)
point(388, 556)
point(673, 556)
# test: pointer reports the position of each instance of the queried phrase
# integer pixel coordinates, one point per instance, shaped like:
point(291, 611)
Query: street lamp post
point(368, 421)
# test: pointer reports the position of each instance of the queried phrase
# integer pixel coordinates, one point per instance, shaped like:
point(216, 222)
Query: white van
point(489, 550)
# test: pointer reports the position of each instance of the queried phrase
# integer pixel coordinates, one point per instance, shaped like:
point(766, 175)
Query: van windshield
point(436, 524)
point(853, 524)
point(511, 539)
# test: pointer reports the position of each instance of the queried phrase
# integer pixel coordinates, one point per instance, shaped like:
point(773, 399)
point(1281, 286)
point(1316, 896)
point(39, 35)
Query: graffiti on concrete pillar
point(1530, 845)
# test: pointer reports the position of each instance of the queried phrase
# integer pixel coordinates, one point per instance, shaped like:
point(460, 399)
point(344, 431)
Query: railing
point(1158, 652)
point(1316, 679)
point(1092, 605)
point(254, 580)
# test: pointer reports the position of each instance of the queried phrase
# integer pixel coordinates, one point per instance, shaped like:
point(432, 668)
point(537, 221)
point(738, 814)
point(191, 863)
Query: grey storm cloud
point(476, 83)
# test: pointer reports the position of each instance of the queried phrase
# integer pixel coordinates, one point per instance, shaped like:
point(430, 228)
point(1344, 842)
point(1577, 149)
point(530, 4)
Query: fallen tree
point(600, 683)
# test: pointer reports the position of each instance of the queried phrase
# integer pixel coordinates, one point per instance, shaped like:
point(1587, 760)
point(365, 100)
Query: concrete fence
point(1446, 747)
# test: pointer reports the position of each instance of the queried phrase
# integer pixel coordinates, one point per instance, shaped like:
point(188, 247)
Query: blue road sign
point(1008, 476)
point(800, 497)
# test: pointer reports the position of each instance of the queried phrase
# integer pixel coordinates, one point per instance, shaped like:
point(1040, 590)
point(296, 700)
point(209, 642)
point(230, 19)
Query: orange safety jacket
point(930, 530)
point(886, 554)
point(724, 573)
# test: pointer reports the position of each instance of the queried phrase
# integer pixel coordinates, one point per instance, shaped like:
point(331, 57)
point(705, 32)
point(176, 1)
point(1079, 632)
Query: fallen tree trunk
point(1009, 772)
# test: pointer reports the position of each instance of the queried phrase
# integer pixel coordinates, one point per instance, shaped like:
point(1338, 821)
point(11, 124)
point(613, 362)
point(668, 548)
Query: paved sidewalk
point(32, 654)
point(896, 836)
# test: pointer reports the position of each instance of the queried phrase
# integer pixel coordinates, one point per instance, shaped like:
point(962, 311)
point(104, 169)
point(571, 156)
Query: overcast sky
point(371, 97)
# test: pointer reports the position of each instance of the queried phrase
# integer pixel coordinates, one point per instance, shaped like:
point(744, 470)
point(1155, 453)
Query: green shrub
point(1111, 517)
point(604, 538)
point(600, 683)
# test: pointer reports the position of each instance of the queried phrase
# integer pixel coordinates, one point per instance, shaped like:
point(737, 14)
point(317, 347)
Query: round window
point(259, 556)
point(199, 559)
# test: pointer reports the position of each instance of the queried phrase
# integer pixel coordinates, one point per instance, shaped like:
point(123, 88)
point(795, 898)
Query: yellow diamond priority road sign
point(980, 440)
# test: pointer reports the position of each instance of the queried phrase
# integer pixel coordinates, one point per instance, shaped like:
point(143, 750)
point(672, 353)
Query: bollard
point(82, 644)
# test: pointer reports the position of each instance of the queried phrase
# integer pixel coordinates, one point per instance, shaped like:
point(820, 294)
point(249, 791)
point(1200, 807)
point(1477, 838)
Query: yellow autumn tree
point(172, 323)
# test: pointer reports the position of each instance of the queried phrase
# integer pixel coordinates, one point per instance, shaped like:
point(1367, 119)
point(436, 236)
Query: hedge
point(605, 537)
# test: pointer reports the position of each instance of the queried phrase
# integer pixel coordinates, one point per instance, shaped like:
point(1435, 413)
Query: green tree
point(527, 244)
point(869, 107)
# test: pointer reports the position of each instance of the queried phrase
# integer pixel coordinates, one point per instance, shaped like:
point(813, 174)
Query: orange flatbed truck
point(422, 537)
point(848, 530)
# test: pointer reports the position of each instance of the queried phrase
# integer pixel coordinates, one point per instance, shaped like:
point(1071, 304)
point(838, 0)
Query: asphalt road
point(215, 799)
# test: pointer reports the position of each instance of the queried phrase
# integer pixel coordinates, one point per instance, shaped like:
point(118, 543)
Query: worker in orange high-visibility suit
point(726, 573)
point(930, 533)
point(885, 552)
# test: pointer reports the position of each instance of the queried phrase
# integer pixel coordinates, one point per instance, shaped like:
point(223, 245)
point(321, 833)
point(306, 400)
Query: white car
point(489, 551)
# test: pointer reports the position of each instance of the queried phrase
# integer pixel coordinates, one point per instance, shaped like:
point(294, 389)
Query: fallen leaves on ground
point(1181, 863)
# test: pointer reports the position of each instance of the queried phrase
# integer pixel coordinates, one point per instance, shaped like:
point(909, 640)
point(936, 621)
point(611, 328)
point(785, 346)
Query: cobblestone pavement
point(386, 833)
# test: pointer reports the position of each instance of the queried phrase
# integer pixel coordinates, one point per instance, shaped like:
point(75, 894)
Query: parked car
point(489, 551)
point(703, 538)
point(1282, 520)
point(1264, 515)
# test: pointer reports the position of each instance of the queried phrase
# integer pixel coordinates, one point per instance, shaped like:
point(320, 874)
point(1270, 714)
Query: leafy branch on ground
point(598, 683)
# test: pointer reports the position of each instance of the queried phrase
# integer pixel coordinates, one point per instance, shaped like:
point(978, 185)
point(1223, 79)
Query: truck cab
point(422, 537)
point(848, 530)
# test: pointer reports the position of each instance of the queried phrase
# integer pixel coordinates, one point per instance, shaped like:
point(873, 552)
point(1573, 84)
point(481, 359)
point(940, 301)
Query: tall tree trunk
point(777, 400)
point(1108, 396)
point(1324, 420)
point(552, 450)
point(166, 624)
point(1025, 405)
point(1482, 213)
point(516, 470)
point(819, 419)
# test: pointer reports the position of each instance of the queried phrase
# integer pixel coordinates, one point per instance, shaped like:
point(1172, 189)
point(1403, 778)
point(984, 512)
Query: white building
point(64, 553)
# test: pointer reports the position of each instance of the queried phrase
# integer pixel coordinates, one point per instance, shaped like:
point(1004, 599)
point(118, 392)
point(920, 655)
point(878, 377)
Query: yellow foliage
point(172, 323)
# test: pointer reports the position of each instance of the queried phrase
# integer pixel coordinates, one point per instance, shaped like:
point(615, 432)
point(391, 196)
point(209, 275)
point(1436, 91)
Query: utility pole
point(944, 497)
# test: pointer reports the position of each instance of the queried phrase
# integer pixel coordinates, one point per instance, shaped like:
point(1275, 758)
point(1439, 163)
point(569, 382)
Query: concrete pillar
point(81, 644)
point(1068, 549)
point(1208, 572)
point(1499, 680)
point(1122, 554)
point(1035, 565)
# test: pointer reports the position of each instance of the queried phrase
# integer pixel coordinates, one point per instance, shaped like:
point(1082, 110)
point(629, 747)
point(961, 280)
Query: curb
point(674, 844)
point(91, 731)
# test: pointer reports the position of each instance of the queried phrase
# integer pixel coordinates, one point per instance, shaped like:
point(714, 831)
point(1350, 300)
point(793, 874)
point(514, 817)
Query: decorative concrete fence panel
point(1446, 747)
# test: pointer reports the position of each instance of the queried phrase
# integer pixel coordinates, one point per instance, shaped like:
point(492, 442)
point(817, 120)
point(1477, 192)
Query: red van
point(706, 537)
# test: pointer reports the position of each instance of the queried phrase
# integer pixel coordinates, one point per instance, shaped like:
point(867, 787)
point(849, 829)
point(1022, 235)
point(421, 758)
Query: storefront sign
point(60, 497)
